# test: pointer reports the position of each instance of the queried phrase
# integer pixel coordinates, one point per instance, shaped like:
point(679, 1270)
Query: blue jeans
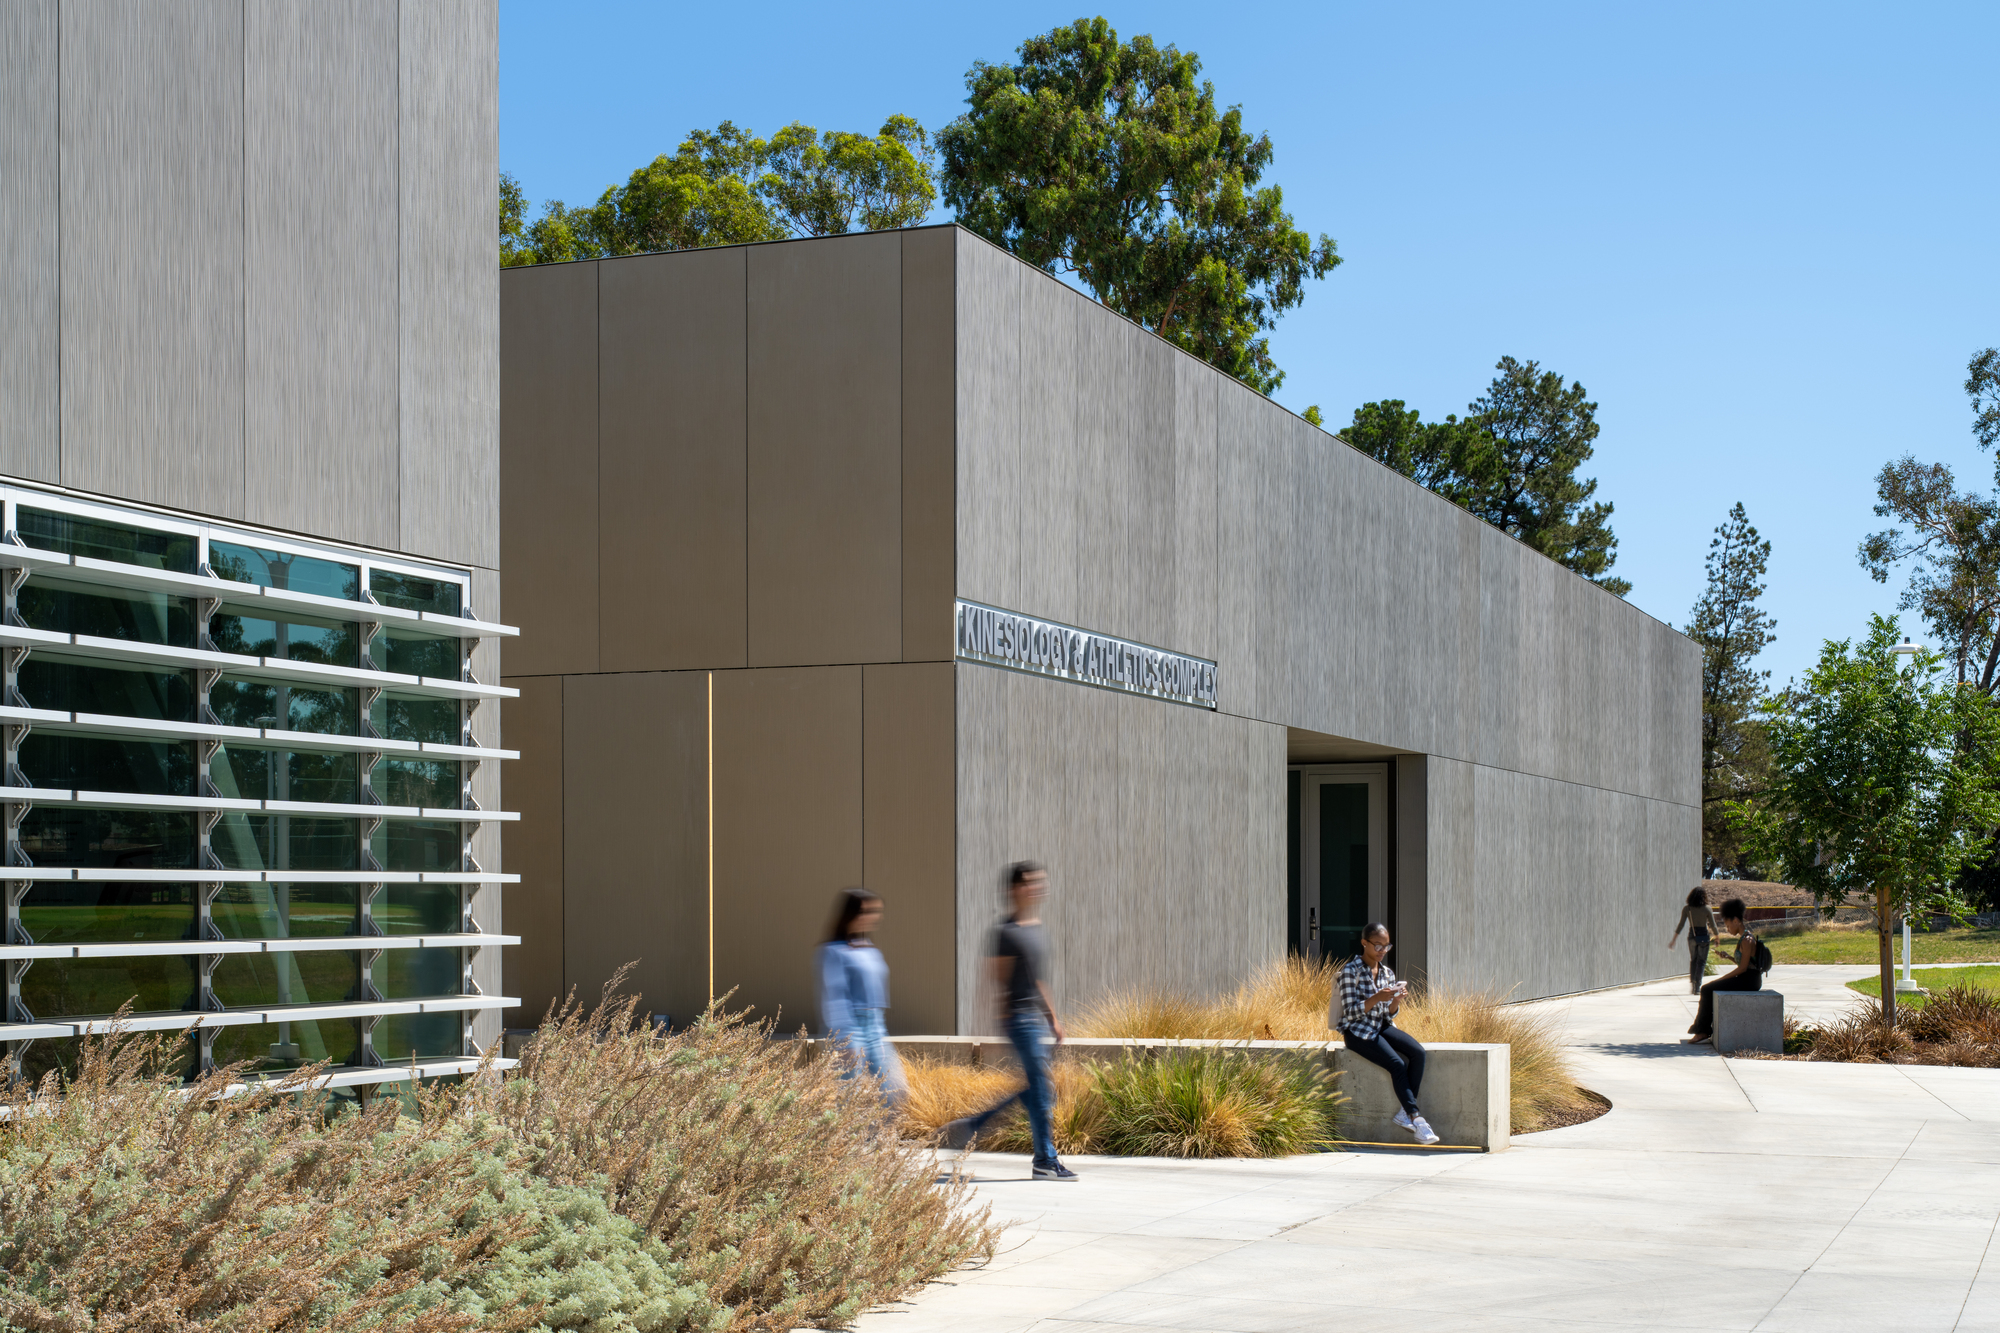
point(868, 1049)
point(1029, 1034)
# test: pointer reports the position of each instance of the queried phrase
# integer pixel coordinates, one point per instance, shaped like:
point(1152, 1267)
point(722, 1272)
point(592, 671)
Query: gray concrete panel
point(671, 478)
point(825, 451)
point(994, 420)
point(930, 406)
point(1162, 827)
point(635, 757)
point(151, 107)
point(909, 719)
point(319, 285)
point(447, 173)
point(549, 451)
point(29, 287)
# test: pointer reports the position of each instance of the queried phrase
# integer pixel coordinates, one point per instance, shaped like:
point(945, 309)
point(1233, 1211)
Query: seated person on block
point(1366, 996)
point(1753, 960)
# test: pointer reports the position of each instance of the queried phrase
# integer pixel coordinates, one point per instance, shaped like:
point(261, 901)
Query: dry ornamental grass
point(621, 1182)
point(1960, 1025)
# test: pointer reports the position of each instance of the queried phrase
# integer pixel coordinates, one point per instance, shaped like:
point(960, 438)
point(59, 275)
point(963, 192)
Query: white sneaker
point(1422, 1129)
point(1403, 1119)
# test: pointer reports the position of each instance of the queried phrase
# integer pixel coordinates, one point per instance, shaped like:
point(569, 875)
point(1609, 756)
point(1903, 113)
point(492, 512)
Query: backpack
point(1762, 962)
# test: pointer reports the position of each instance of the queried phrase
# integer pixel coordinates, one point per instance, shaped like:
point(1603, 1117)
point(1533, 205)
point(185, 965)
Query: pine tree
point(1731, 629)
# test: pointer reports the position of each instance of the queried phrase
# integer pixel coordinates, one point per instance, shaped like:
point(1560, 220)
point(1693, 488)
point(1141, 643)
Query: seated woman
point(1746, 975)
point(1366, 996)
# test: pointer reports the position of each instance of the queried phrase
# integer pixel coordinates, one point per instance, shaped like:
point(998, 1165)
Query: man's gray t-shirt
point(1028, 946)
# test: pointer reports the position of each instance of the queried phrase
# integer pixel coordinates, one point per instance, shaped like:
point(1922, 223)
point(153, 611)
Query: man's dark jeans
point(1399, 1053)
point(1029, 1034)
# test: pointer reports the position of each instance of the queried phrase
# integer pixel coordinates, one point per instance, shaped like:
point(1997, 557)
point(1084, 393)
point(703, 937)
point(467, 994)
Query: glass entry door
point(1343, 861)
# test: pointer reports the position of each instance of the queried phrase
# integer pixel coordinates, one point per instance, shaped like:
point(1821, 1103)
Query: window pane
point(71, 687)
point(405, 974)
point(288, 1045)
point(278, 775)
point(418, 909)
point(252, 980)
point(424, 1036)
point(286, 842)
point(330, 642)
point(256, 703)
point(433, 720)
point(89, 913)
point(418, 782)
point(413, 593)
point(120, 839)
point(61, 988)
point(135, 617)
point(413, 844)
point(273, 569)
point(90, 763)
point(418, 655)
point(285, 911)
point(105, 541)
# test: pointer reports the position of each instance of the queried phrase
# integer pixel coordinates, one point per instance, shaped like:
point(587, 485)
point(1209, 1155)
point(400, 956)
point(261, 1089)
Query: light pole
point(1908, 649)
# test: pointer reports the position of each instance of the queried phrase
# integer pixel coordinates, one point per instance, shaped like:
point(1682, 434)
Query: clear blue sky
point(1762, 236)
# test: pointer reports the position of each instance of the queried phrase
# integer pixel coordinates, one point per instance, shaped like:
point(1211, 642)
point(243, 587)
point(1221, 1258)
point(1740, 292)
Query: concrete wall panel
point(151, 102)
point(549, 459)
point(908, 733)
point(29, 283)
point(930, 405)
point(533, 849)
point(993, 421)
point(825, 451)
point(672, 476)
point(788, 828)
point(321, 448)
point(635, 836)
point(448, 168)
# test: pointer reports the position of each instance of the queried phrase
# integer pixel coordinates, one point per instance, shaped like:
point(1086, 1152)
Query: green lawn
point(1858, 946)
point(1933, 979)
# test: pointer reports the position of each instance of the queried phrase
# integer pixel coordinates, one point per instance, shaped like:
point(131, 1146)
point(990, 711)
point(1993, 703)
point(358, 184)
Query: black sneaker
point(1055, 1172)
point(956, 1134)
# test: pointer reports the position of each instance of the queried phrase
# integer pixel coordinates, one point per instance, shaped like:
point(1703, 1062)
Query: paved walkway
point(1719, 1194)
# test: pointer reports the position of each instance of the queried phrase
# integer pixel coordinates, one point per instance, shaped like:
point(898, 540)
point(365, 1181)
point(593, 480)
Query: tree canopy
point(1951, 543)
point(1111, 160)
point(1512, 460)
point(728, 187)
point(1732, 630)
point(1885, 782)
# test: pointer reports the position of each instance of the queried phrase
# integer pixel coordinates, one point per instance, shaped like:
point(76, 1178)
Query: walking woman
point(1366, 996)
point(1700, 923)
point(854, 993)
point(1748, 974)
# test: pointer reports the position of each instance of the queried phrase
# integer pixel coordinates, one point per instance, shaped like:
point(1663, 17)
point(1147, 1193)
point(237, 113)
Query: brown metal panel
point(29, 444)
point(930, 407)
point(671, 460)
point(533, 849)
point(788, 828)
point(152, 251)
point(448, 168)
point(548, 447)
point(319, 281)
point(909, 843)
point(635, 836)
point(825, 534)
point(990, 420)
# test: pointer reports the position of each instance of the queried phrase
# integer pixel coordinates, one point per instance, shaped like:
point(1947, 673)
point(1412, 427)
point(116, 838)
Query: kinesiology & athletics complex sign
point(1003, 638)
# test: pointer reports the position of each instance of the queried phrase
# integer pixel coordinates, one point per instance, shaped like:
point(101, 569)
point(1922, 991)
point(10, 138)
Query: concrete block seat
point(1750, 1020)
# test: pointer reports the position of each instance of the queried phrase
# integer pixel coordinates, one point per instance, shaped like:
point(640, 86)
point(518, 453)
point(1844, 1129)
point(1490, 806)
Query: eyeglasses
point(1383, 947)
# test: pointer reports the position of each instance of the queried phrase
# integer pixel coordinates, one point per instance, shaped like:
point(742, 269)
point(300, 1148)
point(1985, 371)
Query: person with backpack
point(1753, 960)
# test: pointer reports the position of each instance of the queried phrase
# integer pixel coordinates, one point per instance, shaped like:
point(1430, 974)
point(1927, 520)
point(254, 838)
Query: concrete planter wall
point(1465, 1093)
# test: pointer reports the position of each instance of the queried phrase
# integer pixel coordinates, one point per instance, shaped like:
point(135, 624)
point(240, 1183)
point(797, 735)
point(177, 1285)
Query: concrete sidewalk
point(1718, 1194)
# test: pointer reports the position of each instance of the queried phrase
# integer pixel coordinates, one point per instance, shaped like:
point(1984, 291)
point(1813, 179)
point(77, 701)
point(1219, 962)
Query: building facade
point(248, 564)
point(888, 559)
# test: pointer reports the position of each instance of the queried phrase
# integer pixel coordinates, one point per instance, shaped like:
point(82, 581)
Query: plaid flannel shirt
point(1356, 985)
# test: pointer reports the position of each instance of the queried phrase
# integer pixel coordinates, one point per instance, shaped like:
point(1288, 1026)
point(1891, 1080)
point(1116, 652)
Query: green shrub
point(1211, 1101)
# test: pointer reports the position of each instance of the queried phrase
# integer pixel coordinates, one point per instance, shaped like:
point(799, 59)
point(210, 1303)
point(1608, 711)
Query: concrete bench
point(1750, 1020)
point(1466, 1093)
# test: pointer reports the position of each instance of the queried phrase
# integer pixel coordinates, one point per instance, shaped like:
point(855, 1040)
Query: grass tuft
point(1959, 1025)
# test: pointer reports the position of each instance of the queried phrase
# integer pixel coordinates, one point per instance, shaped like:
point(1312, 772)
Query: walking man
point(1020, 967)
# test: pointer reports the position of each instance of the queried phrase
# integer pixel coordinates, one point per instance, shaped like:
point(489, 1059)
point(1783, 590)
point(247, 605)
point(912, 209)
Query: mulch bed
point(1595, 1105)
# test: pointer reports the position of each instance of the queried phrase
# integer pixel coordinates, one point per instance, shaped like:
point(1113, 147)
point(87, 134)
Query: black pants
point(1697, 958)
point(1704, 1014)
point(1399, 1053)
